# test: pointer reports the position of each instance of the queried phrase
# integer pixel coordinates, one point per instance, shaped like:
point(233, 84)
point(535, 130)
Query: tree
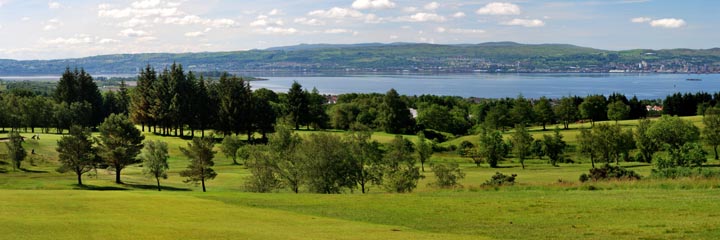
point(16, 152)
point(394, 114)
point(447, 175)
point(200, 153)
point(618, 111)
point(78, 86)
point(543, 112)
point(646, 145)
point(491, 147)
point(76, 152)
point(711, 132)
point(155, 156)
point(424, 149)
point(672, 133)
point(298, 105)
point(554, 147)
point(521, 143)
point(566, 111)
point(498, 117)
point(286, 160)
point(366, 158)
point(265, 112)
point(400, 174)
point(587, 145)
point(120, 143)
point(141, 97)
point(235, 106)
point(230, 146)
point(594, 108)
point(327, 164)
point(317, 116)
point(522, 111)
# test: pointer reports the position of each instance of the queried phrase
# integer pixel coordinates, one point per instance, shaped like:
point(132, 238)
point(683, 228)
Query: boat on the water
point(693, 79)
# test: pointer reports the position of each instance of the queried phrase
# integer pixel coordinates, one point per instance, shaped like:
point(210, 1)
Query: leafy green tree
point(646, 145)
point(498, 116)
point(491, 147)
point(394, 114)
point(566, 111)
point(154, 157)
point(522, 111)
point(447, 175)
point(201, 154)
point(16, 152)
point(711, 132)
point(298, 105)
point(287, 162)
point(543, 112)
point(554, 147)
point(366, 158)
point(235, 106)
point(521, 143)
point(120, 143)
point(587, 145)
point(141, 97)
point(594, 108)
point(78, 86)
point(262, 170)
point(230, 146)
point(327, 164)
point(265, 114)
point(317, 115)
point(76, 152)
point(618, 111)
point(424, 149)
point(672, 133)
point(400, 174)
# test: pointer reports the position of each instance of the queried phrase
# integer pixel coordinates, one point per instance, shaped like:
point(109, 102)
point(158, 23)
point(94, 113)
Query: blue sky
point(76, 28)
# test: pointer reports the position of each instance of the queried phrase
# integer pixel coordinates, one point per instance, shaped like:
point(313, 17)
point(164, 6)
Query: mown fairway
point(547, 203)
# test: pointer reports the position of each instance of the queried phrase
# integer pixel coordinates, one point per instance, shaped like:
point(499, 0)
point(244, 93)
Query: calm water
point(531, 85)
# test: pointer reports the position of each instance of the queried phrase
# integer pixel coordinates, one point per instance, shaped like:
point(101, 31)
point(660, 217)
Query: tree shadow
point(99, 188)
point(154, 187)
point(636, 166)
point(32, 171)
point(2, 170)
point(711, 165)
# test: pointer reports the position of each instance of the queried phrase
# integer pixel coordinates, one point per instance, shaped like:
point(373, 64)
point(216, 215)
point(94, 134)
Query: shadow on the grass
point(32, 171)
point(99, 188)
point(154, 187)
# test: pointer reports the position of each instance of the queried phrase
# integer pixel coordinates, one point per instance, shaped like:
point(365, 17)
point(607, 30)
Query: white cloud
point(641, 19)
point(70, 41)
point(309, 21)
point(668, 23)
point(394, 37)
point(133, 22)
point(274, 12)
point(194, 34)
point(223, 23)
point(423, 17)
point(280, 30)
point(440, 29)
point(336, 12)
point(54, 5)
point(432, 6)
point(410, 9)
point(337, 31)
point(459, 30)
point(459, 15)
point(661, 23)
point(25, 19)
point(52, 24)
point(525, 22)
point(372, 18)
point(146, 4)
point(129, 32)
point(499, 8)
point(107, 41)
point(373, 4)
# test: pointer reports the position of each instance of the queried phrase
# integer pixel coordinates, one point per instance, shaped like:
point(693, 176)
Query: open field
point(546, 203)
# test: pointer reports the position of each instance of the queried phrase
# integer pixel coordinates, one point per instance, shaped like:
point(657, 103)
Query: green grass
point(546, 203)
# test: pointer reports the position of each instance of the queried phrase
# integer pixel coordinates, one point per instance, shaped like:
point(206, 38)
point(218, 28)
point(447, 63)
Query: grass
point(546, 203)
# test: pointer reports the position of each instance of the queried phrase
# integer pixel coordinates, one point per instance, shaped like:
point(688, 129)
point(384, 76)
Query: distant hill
point(393, 57)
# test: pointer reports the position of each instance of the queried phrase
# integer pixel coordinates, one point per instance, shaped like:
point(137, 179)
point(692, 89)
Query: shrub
point(464, 148)
point(500, 179)
point(608, 172)
point(447, 175)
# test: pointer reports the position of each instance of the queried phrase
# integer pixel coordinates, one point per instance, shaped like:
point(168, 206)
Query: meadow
point(546, 203)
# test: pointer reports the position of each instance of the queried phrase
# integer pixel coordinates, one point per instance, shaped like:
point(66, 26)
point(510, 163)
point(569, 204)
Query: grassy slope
point(539, 206)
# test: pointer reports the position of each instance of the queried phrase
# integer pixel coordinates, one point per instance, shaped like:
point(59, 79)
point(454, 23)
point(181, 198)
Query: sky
point(36, 29)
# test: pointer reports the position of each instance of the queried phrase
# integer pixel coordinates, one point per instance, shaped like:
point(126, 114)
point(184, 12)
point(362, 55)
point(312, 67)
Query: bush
point(608, 172)
point(500, 179)
point(464, 148)
point(680, 172)
point(447, 175)
point(437, 136)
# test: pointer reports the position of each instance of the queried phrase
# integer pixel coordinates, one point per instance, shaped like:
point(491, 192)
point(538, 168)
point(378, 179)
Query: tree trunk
point(202, 133)
point(142, 126)
point(362, 186)
point(203, 183)
point(79, 175)
point(592, 160)
point(522, 163)
point(117, 176)
point(422, 166)
point(544, 126)
point(716, 154)
point(158, 183)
